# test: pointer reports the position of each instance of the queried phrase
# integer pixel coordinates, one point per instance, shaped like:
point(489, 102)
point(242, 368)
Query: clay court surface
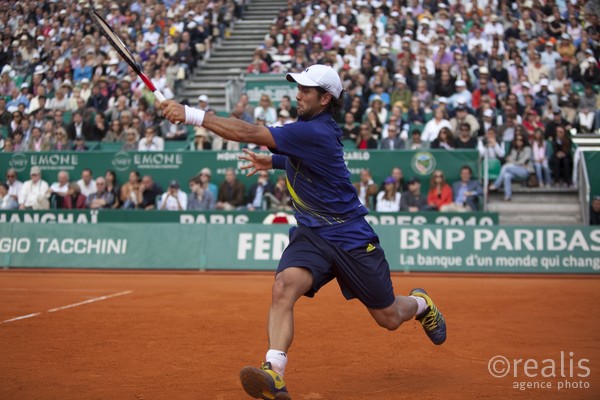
point(186, 335)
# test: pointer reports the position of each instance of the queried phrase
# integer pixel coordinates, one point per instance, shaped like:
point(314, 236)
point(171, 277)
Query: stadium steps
point(263, 9)
point(537, 206)
point(230, 58)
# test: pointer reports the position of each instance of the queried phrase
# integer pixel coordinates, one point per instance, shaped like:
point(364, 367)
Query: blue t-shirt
point(319, 181)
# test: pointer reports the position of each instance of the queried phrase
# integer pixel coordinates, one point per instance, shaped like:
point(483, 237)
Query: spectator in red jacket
point(483, 90)
point(440, 193)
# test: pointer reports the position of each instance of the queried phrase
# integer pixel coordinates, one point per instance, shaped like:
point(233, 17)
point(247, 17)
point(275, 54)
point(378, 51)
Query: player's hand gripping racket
point(118, 45)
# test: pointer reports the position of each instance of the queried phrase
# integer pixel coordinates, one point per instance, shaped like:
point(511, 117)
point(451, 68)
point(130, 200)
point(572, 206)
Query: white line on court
point(21, 317)
point(81, 303)
point(90, 301)
point(50, 290)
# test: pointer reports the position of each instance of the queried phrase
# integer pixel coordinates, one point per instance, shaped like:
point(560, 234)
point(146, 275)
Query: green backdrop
point(592, 162)
point(183, 165)
point(274, 85)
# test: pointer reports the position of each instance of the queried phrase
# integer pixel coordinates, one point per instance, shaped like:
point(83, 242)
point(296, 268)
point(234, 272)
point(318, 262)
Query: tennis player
point(332, 239)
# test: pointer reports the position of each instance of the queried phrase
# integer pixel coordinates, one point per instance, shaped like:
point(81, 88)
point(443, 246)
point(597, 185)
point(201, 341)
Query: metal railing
point(233, 91)
point(584, 190)
point(486, 180)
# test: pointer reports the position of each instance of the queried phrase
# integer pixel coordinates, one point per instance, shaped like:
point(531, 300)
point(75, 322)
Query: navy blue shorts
point(362, 273)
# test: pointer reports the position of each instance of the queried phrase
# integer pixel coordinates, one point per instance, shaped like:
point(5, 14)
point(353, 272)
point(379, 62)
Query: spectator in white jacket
point(14, 185)
point(435, 125)
point(33, 193)
point(150, 141)
point(174, 199)
point(489, 145)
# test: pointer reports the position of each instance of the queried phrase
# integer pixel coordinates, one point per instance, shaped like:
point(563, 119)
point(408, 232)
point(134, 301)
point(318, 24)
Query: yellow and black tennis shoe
point(431, 319)
point(263, 383)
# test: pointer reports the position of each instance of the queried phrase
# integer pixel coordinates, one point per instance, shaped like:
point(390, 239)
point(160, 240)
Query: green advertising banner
point(431, 248)
point(162, 166)
point(231, 217)
point(166, 166)
point(274, 85)
point(119, 246)
point(494, 249)
point(250, 247)
point(438, 249)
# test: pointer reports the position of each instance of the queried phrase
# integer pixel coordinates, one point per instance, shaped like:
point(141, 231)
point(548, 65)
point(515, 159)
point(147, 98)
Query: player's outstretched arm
point(258, 162)
point(228, 128)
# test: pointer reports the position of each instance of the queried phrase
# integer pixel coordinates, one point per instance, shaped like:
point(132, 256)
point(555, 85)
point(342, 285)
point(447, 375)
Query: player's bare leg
point(267, 382)
point(403, 309)
point(418, 305)
point(290, 284)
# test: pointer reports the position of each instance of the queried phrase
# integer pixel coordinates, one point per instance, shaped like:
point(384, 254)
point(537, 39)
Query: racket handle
point(159, 96)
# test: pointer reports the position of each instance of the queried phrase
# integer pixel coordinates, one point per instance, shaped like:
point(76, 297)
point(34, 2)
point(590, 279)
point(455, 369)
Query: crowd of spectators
point(453, 75)
point(142, 193)
point(489, 64)
point(397, 194)
point(62, 85)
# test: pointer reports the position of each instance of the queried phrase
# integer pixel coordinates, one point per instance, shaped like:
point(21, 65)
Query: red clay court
point(125, 335)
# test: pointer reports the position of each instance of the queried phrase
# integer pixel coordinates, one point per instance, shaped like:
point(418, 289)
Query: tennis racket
point(118, 45)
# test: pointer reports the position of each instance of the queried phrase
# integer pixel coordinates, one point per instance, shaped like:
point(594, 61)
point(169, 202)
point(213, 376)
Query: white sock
point(421, 304)
point(278, 360)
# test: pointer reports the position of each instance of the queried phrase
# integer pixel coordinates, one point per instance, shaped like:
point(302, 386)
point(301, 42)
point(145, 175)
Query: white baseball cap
point(39, 70)
point(399, 78)
point(203, 97)
point(318, 75)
